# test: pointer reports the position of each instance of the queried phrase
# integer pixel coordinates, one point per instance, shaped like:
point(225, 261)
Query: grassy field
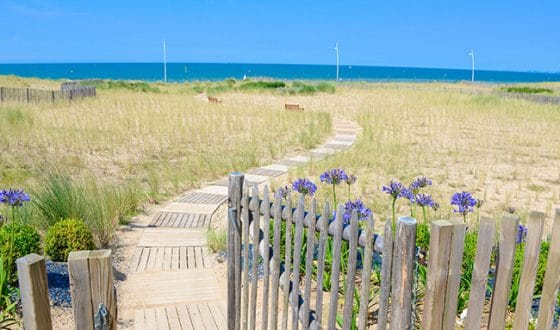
point(505, 151)
point(140, 146)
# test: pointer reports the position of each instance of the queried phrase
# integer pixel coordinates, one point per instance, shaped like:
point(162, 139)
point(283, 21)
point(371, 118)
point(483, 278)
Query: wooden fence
point(28, 95)
point(290, 294)
point(94, 302)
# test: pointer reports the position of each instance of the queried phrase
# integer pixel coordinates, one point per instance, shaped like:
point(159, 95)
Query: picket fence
point(289, 295)
point(68, 91)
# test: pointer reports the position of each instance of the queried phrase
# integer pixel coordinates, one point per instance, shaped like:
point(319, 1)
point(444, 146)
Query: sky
point(505, 35)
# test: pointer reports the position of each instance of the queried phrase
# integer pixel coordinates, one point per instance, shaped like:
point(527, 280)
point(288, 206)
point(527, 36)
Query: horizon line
point(297, 64)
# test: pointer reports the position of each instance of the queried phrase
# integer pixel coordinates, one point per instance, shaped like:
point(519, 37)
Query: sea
point(181, 72)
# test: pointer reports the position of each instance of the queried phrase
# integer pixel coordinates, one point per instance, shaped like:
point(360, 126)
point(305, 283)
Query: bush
point(66, 236)
point(423, 236)
point(527, 90)
point(17, 240)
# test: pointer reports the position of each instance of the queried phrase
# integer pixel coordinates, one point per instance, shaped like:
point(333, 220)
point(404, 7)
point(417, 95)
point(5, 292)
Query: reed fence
point(277, 269)
point(30, 95)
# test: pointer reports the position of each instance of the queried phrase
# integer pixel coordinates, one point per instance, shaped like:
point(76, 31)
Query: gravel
point(59, 283)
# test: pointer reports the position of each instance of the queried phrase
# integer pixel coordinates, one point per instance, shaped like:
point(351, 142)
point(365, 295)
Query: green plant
point(527, 90)
point(217, 240)
point(7, 306)
point(66, 236)
point(423, 236)
point(469, 252)
point(17, 240)
point(518, 265)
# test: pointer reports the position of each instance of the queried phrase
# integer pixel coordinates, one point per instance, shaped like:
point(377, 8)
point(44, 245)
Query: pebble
point(59, 283)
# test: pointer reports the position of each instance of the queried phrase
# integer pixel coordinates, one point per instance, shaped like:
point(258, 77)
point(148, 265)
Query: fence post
point(403, 269)
point(91, 284)
point(441, 233)
point(454, 273)
point(34, 292)
point(235, 189)
point(504, 272)
point(1, 94)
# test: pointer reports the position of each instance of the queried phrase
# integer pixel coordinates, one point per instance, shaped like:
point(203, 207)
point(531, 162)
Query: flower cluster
point(13, 197)
point(304, 186)
point(358, 206)
point(425, 200)
point(419, 183)
point(284, 191)
point(334, 176)
point(464, 202)
point(521, 234)
point(396, 190)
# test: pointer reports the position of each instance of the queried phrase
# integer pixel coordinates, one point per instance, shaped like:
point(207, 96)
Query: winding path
point(172, 284)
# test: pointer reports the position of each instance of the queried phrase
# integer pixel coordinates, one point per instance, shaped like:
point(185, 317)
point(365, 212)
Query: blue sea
point(180, 72)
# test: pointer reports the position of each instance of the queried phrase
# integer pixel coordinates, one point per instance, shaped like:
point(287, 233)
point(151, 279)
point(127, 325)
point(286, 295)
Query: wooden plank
point(275, 271)
point(158, 263)
point(335, 269)
point(347, 315)
point(535, 226)
point(196, 317)
point(173, 317)
point(150, 315)
point(311, 220)
point(266, 257)
point(454, 273)
point(287, 261)
point(184, 318)
point(167, 257)
point(366, 276)
point(386, 267)
point(403, 269)
point(255, 215)
point(161, 318)
point(183, 258)
point(139, 320)
point(484, 246)
point(175, 263)
point(551, 278)
point(323, 224)
point(101, 283)
point(34, 292)
point(171, 237)
point(504, 271)
point(298, 242)
point(198, 258)
point(441, 233)
point(80, 289)
point(206, 316)
point(245, 275)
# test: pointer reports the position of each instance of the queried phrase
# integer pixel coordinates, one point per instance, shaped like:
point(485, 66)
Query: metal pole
point(164, 64)
point(472, 66)
point(337, 62)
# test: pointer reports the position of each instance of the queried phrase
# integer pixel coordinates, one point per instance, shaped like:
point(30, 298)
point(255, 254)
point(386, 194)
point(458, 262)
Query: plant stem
point(394, 214)
point(334, 196)
point(425, 214)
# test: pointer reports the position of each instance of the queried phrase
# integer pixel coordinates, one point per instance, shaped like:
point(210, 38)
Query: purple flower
point(424, 200)
point(419, 183)
point(284, 191)
point(396, 190)
point(304, 186)
point(464, 202)
point(351, 179)
point(521, 234)
point(358, 205)
point(334, 176)
point(435, 206)
point(13, 197)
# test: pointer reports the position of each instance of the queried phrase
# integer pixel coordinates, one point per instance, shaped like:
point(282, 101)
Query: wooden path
point(172, 285)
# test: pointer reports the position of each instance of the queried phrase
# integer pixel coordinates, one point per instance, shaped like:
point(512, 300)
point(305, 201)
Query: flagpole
point(164, 63)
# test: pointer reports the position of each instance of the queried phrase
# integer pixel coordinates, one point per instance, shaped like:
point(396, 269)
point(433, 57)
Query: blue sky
point(506, 35)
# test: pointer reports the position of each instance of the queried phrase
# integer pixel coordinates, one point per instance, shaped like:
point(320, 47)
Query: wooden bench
point(292, 107)
point(214, 100)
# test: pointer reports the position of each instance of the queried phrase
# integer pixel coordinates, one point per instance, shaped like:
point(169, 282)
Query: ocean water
point(178, 72)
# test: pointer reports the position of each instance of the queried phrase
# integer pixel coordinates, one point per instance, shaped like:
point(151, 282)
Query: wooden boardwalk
point(172, 285)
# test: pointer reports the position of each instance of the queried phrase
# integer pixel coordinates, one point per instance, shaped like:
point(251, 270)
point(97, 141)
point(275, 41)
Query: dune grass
point(129, 145)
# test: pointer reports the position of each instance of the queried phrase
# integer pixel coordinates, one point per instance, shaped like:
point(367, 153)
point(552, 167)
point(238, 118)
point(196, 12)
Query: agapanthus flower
point(435, 206)
point(464, 202)
point(284, 191)
point(424, 200)
point(521, 234)
point(396, 190)
point(304, 186)
point(419, 183)
point(334, 176)
point(351, 179)
point(14, 197)
point(358, 205)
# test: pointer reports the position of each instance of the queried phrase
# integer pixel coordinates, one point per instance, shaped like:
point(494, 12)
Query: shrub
point(527, 90)
point(423, 236)
point(217, 240)
point(17, 240)
point(66, 236)
point(326, 88)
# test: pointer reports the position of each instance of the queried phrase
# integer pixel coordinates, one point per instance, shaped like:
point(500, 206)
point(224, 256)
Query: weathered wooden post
point(386, 267)
point(94, 302)
point(234, 250)
point(403, 273)
point(504, 271)
point(454, 273)
point(34, 292)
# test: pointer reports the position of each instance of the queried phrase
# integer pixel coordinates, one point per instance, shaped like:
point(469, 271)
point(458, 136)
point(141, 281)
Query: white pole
point(472, 66)
point(337, 71)
point(164, 63)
